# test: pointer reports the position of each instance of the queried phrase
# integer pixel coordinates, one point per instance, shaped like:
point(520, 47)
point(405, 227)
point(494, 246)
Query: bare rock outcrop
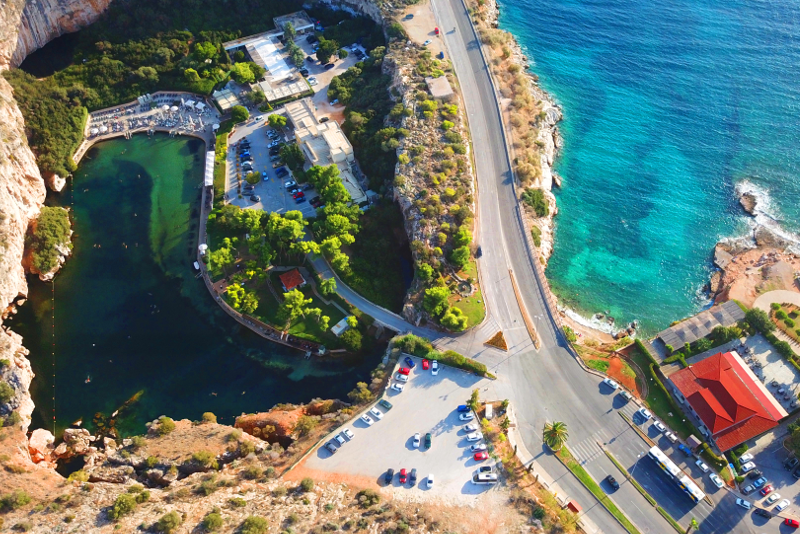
point(18, 374)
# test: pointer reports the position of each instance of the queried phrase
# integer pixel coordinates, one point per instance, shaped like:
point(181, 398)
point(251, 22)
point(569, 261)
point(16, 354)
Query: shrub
point(788, 322)
point(569, 333)
point(125, 504)
point(361, 394)
point(136, 488)
point(78, 476)
point(759, 320)
point(254, 525)
point(279, 491)
point(293, 519)
point(253, 472)
point(212, 522)
point(6, 392)
point(165, 425)
point(22, 526)
point(781, 315)
point(207, 486)
point(307, 484)
point(4, 363)
point(539, 512)
point(239, 114)
point(775, 306)
point(535, 198)
point(169, 522)
point(305, 424)
point(237, 502)
point(206, 459)
point(351, 339)
point(14, 418)
point(367, 498)
point(14, 500)
point(446, 125)
point(536, 235)
point(151, 461)
point(143, 497)
point(137, 442)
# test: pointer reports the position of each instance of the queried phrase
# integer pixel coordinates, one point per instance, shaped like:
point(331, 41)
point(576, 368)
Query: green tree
point(205, 50)
point(298, 56)
point(123, 505)
point(257, 96)
point(292, 155)
point(220, 259)
point(253, 177)
point(460, 256)
point(169, 522)
point(535, 198)
point(294, 305)
point(342, 53)
point(289, 32)
point(352, 340)
point(241, 73)
point(474, 401)
point(555, 435)
point(327, 48)
point(305, 424)
point(759, 320)
point(191, 75)
point(361, 395)
point(307, 484)
point(454, 319)
point(462, 237)
point(328, 286)
point(692, 525)
point(50, 232)
point(277, 120)
point(241, 299)
point(424, 271)
point(435, 300)
point(239, 114)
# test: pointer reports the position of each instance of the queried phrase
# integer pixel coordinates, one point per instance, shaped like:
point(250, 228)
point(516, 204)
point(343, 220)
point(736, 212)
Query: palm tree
point(692, 525)
point(555, 435)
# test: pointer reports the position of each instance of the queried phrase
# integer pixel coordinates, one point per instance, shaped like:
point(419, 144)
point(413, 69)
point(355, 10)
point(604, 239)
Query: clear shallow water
point(130, 315)
point(668, 106)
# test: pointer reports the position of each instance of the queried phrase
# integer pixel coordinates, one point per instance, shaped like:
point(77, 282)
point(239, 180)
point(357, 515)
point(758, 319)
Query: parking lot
point(273, 195)
point(427, 404)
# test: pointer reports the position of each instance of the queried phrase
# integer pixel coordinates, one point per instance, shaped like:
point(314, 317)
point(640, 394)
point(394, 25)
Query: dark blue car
point(410, 363)
point(463, 408)
point(684, 449)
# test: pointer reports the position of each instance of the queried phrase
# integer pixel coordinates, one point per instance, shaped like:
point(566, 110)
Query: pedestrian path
point(587, 450)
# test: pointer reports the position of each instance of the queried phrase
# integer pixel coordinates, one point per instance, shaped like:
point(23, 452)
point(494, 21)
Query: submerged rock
point(748, 202)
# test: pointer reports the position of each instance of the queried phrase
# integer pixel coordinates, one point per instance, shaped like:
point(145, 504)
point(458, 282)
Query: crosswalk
point(587, 450)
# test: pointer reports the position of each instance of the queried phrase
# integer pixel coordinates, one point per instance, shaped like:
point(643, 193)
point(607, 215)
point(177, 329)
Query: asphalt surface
point(427, 404)
point(547, 384)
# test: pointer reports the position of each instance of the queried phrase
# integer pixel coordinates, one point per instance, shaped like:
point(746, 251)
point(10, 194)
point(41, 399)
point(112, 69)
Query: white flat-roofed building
point(300, 21)
point(265, 52)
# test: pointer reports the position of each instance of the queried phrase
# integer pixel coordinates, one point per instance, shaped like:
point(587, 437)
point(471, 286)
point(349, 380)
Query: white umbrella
point(103, 129)
point(93, 131)
point(174, 108)
point(165, 107)
point(215, 126)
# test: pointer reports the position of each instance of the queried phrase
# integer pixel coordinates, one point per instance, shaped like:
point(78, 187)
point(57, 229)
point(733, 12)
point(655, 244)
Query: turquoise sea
point(668, 108)
point(127, 319)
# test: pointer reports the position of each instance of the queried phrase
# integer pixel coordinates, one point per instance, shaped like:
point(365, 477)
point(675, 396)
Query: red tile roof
point(731, 404)
point(292, 279)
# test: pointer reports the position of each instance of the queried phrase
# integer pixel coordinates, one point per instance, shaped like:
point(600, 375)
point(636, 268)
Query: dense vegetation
point(536, 200)
point(419, 346)
point(51, 230)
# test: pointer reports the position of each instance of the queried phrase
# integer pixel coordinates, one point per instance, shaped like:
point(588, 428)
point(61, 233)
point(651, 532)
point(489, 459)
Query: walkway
point(780, 296)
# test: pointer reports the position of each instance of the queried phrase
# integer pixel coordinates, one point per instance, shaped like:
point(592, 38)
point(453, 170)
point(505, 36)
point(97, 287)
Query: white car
point(426, 43)
point(746, 504)
point(703, 467)
point(466, 416)
point(478, 447)
point(417, 440)
point(367, 419)
point(672, 437)
point(749, 466)
point(289, 184)
point(745, 457)
point(430, 482)
point(401, 378)
point(397, 386)
point(347, 432)
point(471, 427)
point(772, 498)
point(610, 383)
point(339, 439)
point(434, 368)
point(716, 480)
point(644, 413)
point(660, 426)
point(376, 413)
point(475, 436)
point(783, 505)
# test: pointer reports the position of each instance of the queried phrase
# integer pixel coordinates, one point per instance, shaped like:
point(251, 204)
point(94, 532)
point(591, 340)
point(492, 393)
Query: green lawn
point(221, 153)
point(586, 479)
point(597, 365)
point(474, 306)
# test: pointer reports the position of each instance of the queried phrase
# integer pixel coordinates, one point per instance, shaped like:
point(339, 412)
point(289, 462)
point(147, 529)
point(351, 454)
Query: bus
point(681, 479)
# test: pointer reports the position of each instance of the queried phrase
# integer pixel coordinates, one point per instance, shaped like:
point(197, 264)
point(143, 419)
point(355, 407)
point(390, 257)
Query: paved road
point(547, 384)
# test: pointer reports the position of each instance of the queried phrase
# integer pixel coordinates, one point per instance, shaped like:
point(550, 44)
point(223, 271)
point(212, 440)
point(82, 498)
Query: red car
point(425, 364)
point(298, 194)
point(481, 455)
point(436, 30)
point(403, 477)
point(404, 370)
point(792, 523)
point(766, 490)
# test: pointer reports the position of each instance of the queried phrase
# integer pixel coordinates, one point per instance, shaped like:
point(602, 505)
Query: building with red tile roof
point(726, 396)
point(292, 279)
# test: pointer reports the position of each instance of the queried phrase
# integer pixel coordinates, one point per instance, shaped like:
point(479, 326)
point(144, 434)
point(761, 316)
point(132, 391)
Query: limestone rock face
point(18, 374)
point(40, 445)
point(44, 20)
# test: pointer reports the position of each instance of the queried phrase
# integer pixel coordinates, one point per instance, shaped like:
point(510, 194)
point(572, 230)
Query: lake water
point(130, 316)
point(669, 107)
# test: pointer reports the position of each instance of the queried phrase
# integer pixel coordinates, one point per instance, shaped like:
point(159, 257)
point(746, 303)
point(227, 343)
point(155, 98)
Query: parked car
point(430, 480)
point(762, 512)
point(744, 504)
point(745, 457)
point(783, 505)
point(427, 42)
point(298, 194)
point(388, 476)
point(466, 416)
point(747, 490)
point(480, 456)
point(428, 441)
point(397, 386)
point(644, 413)
point(462, 408)
point(299, 200)
point(347, 432)
point(276, 157)
point(672, 437)
point(760, 482)
point(409, 362)
point(329, 66)
point(796, 472)
point(749, 466)
point(755, 473)
point(403, 476)
point(255, 198)
point(610, 383)
point(470, 427)
point(331, 448)
point(404, 370)
point(772, 498)
point(660, 426)
point(401, 378)
point(703, 467)
point(478, 447)
point(684, 449)
point(412, 476)
point(612, 482)
point(386, 405)
point(417, 440)
point(766, 490)
point(434, 368)
point(310, 59)
point(791, 523)
point(475, 436)
point(324, 119)
point(290, 183)
point(484, 469)
point(339, 439)
point(376, 413)
point(307, 187)
point(367, 419)
point(716, 480)
point(792, 463)
point(425, 364)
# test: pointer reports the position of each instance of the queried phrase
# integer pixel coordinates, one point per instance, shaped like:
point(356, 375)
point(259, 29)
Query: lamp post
point(638, 457)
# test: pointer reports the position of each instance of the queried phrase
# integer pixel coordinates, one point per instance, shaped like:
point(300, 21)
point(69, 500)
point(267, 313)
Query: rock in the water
point(715, 284)
point(748, 202)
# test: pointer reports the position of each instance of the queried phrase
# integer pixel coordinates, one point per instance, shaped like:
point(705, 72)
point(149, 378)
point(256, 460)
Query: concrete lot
point(324, 77)
point(274, 196)
point(428, 404)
